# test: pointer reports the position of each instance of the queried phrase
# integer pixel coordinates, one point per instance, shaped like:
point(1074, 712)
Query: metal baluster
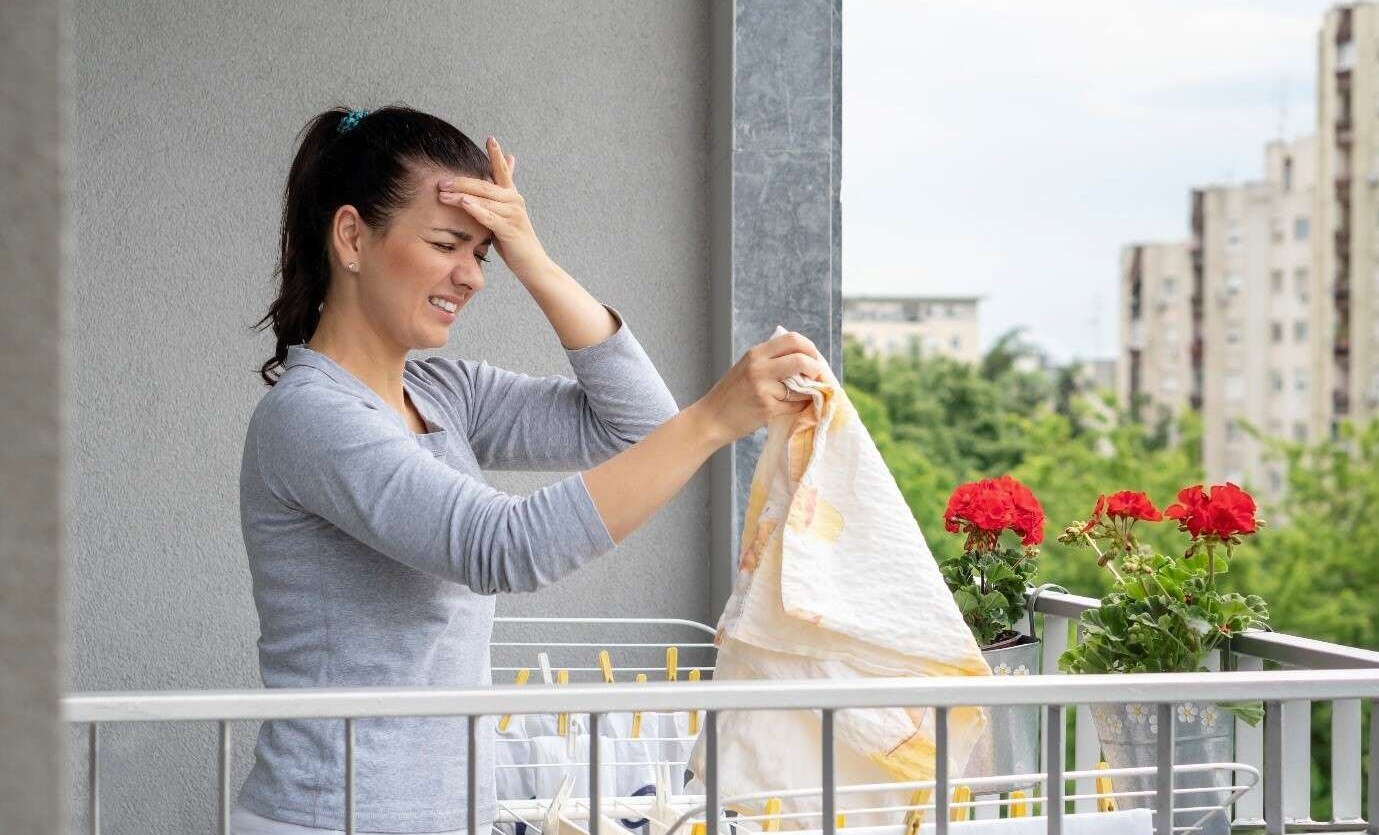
point(1086, 751)
point(593, 775)
point(349, 776)
point(1053, 767)
point(93, 770)
point(940, 771)
point(1374, 768)
point(1273, 768)
point(1163, 781)
point(1249, 749)
point(830, 798)
point(472, 775)
point(711, 771)
point(1297, 751)
point(224, 777)
point(1345, 760)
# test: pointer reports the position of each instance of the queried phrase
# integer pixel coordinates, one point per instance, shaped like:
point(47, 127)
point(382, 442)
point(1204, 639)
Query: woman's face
point(431, 254)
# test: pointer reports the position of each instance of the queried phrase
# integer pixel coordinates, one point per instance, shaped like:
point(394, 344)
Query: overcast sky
point(1009, 148)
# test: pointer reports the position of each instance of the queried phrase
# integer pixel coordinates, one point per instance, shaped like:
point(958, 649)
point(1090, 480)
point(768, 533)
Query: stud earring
point(354, 266)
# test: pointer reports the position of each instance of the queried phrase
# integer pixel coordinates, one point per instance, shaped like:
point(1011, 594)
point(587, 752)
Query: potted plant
point(1165, 614)
point(1003, 524)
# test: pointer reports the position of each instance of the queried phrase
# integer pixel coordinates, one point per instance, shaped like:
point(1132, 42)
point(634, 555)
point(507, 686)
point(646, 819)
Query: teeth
point(447, 306)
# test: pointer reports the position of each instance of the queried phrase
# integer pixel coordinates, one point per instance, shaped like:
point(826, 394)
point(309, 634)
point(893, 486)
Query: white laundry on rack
point(835, 581)
point(1127, 822)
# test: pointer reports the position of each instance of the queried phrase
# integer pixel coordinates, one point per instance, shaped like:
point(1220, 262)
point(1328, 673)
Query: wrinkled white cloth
point(835, 581)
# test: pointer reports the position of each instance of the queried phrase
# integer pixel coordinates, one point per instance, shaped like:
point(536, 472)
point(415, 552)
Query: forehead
point(425, 209)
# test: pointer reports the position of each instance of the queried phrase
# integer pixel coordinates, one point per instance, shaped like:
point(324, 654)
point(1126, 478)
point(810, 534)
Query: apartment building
point(1154, 374)
point(1250, 315)
point(1345, 309)
point(935, 325)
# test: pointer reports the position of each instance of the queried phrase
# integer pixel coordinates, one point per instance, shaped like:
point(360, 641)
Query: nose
point(468, 276)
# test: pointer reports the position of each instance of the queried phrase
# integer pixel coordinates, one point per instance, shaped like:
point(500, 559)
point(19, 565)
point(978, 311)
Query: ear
point(347, 234)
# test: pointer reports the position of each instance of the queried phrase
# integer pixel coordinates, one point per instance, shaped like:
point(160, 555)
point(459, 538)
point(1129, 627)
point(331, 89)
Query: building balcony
point(1342, 238)
point(1267, 768)
point(1342, 292)
point(1340, 401)
point(1340, 347)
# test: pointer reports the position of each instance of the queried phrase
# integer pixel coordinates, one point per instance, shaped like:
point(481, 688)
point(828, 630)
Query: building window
point(1232, 431)
point(1300, 379)
point(1287, 173)
point(1233, 335)
point(1276, 332)
point(1300, 432)
point(1300, 283)
point(1301, 228)
point(1276, 281)
point(1300, 330)
point(1168, 287)
point(957, 343)
point(1235, 386)
point(1276, 381)
point(1233, 283)
point(1275, 482)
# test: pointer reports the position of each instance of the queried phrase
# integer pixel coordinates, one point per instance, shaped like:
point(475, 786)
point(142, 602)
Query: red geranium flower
point(983, 509)
point(1129, 504)
point(1225, 512)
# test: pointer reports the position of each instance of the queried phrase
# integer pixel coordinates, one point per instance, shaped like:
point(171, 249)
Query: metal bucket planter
point(1204, 733)
point(1011, 744)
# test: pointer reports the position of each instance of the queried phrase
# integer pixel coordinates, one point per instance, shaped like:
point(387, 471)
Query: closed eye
point(451, 248)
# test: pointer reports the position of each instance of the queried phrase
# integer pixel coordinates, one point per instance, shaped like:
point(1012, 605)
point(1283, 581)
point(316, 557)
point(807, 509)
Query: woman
point(374, 542)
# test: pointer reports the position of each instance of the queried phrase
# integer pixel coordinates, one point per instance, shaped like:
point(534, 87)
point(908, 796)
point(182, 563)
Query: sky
point(1010, 148)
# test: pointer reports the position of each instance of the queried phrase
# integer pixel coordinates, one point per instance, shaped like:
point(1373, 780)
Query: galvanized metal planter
point(1012, 744)
point(1204, 733)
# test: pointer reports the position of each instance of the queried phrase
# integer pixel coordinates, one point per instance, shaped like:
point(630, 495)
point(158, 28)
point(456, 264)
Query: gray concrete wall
point(185, 118)
point(34, 254)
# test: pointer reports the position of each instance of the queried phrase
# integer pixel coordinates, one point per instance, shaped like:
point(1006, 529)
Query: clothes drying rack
point(555, 651)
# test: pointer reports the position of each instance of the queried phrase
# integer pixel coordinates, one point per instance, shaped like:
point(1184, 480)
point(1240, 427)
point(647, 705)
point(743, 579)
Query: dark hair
point(371, 167)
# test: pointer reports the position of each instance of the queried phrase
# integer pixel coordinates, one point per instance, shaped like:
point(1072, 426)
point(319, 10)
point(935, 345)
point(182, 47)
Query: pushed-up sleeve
point(521, 422)
point(332, 454)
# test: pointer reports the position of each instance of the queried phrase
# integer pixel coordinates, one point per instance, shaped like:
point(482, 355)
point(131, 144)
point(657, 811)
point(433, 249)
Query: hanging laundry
point(835, 581)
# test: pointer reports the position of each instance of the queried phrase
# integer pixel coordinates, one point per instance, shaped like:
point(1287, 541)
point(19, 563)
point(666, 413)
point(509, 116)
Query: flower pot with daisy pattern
point(1202, 733)
point(1003, 523)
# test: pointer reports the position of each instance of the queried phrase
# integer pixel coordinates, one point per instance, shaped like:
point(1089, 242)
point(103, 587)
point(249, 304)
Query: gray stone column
point(775, 155)
point(34, 257)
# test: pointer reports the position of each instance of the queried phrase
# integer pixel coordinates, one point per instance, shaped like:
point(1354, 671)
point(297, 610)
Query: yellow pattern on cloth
point(835, 581)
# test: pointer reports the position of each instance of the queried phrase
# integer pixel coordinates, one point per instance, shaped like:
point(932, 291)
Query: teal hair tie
point(353, 118)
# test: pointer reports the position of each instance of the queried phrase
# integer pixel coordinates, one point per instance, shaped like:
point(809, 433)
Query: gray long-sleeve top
point(375, 554)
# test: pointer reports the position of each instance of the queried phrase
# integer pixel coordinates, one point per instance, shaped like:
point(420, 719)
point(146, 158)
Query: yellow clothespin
point(699, 828)
point(1104, 802)
point(771, 822)
point(522, 676)
point(672, 663)
point(637, 716)
point(956, 813)
point(606, 664)
point(1018, 808)
point(694, 714)
point(840, 821)
point(915, 817)
point(562, 722)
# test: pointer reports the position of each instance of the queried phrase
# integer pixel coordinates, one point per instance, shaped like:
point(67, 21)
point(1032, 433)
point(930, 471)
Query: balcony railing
point(1309, 671)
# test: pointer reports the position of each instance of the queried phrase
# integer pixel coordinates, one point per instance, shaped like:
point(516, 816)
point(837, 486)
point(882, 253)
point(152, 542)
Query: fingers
point(787, 343)
point(779, 368)
point(502, 173)
point(478, 188)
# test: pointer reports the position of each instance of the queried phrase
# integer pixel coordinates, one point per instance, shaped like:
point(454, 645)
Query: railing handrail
point(938, 691)
point(1293, 650)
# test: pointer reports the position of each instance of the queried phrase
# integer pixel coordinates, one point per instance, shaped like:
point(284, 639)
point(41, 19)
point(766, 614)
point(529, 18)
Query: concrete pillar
point(34, 256)
point(775, 154)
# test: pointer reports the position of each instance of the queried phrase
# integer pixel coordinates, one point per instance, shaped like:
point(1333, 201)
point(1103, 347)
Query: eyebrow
point(464, 236)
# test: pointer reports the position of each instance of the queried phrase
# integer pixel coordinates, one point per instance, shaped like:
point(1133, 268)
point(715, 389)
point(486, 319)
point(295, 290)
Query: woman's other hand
point(502, 209)
point(751, 393)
